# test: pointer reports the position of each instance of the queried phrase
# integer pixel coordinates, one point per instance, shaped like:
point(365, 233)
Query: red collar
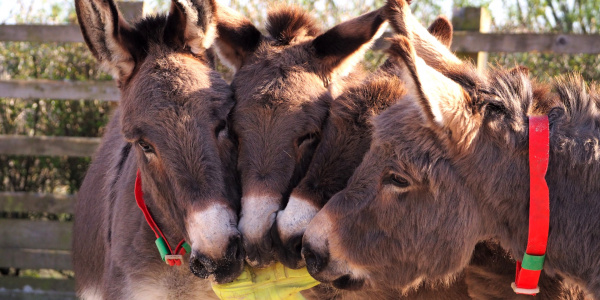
point(166, 253)
point(528, 271)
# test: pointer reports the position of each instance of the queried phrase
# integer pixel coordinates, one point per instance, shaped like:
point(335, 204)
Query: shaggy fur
point(346, 137)
point(283, 91)
point(174, 105)
point(446, 175)
point(286, 24)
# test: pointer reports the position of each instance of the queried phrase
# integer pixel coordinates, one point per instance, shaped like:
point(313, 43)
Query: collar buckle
point(531, 292)
point(173, 260)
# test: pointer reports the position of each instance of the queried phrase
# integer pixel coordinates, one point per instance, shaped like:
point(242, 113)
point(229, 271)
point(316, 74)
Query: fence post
point(132, 11)
point(476, 19)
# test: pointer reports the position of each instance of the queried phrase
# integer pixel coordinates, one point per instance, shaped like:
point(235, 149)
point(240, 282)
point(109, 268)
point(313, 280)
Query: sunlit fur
point(284, 86)
point(458, 195)
point(174, 102)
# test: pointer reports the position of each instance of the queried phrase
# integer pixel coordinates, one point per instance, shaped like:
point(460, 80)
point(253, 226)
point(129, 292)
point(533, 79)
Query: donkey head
point(414, 209)
point(174, 109)
point(283, 89)
point(346, 137)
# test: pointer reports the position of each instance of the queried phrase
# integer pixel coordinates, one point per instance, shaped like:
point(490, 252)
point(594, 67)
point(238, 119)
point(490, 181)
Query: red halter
point(166, 253)
point(528, 271)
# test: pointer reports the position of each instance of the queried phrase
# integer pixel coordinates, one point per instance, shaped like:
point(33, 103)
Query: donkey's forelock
point(288, 23)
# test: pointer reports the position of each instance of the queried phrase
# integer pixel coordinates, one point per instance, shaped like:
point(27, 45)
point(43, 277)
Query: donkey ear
point(342, 46)
point(237, 39)
point(520, 70)
point(432, 47)
point(443, 102)
point(442, 30)
point(191, 23)
point(108, 36)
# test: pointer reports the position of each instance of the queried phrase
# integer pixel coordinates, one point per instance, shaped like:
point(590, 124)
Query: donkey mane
point(286, 23)
point(151, 28)
point(375, 94)
point(572, 105)
point(577, 121)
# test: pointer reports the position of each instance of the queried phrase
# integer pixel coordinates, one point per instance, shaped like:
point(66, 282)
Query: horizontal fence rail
point(525, 42)
point(30, 244)
point(48, 145)
point(41, 33)
point(55, 89)
point(23, 202)
point(17, 288)
point(463, 41)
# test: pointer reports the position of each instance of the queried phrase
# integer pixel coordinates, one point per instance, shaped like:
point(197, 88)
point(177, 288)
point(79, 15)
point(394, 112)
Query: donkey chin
point(322, 265)
point(217, 251)
point(322, 268)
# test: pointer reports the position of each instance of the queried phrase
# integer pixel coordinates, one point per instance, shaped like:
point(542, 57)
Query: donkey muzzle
point(289, 253)
point(225, 269)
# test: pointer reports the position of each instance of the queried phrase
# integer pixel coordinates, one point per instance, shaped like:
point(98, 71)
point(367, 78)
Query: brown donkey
point(448, 167)
point(171, 127)
point(346, 137)
point(283, 87)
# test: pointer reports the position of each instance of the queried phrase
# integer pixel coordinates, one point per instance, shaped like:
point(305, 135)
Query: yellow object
point(274, 282)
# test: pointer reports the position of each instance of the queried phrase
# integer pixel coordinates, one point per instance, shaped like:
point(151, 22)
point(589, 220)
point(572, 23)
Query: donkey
point(448, 168)
point(346, 137)
point(171, 127)
point(284, 85)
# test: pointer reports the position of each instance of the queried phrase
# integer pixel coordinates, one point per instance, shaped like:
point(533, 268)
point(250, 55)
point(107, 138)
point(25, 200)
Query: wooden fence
point(28, 244)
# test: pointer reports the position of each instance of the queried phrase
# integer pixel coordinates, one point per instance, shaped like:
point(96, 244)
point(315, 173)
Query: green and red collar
point(166, 253)
point(529, 270)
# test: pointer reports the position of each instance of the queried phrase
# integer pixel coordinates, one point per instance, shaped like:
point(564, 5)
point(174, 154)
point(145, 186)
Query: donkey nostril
point(296, 246)
point(314, 262)
point(202, 266)
point(234, 249)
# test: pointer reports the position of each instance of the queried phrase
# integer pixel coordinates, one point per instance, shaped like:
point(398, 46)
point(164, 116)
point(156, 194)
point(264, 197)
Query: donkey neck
point(503, 197)
point(498, 181)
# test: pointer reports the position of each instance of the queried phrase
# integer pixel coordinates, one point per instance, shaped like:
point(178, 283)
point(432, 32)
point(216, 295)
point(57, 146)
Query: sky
point(9, 9)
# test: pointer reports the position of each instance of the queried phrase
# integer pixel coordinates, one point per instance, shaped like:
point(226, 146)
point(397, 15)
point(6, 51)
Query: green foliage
point(47, 117)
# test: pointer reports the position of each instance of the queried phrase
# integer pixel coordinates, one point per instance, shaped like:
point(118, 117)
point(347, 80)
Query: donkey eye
point(396, 180)
point(147, 148)
point(220, 128)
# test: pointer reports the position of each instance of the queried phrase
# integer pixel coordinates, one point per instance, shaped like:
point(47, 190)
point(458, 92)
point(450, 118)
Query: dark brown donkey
point(448, 167)
point(171, 126)
point(283, 86)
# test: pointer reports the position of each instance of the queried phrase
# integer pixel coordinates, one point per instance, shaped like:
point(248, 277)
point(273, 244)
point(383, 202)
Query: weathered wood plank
point(30, 284)
point(35, 259)
point(34, 202)
point(130, 10)
point(464, 41)
point(26, 234)
point(54, 89)
point(477, 20)
point(41, 33)
point(510, 42)
point(35, 295)
point(47, 145)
